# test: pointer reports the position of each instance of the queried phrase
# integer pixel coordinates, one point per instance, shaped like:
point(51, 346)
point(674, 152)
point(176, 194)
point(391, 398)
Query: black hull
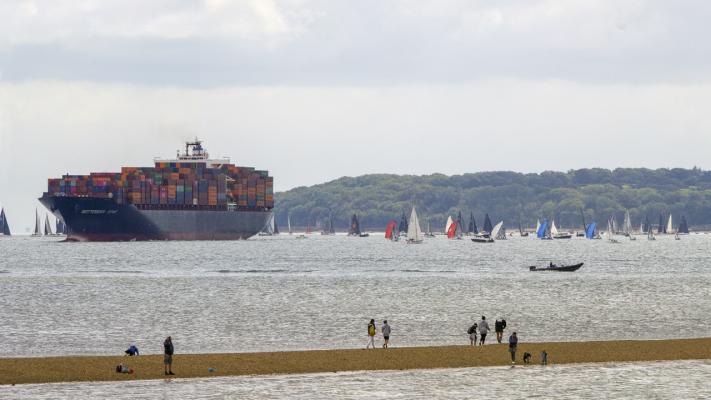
point(101, 219)
point(564, 268)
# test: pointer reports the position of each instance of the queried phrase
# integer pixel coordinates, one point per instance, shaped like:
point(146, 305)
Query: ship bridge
point(194, 153)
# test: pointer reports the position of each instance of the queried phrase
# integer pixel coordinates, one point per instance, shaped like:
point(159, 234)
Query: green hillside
point(505, 195)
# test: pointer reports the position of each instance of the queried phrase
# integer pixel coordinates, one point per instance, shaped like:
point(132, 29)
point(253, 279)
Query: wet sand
point(102, 368)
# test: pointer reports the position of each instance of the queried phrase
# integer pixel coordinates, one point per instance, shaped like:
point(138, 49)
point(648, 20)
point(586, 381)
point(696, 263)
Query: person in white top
point(483, 330)
point(386, 333)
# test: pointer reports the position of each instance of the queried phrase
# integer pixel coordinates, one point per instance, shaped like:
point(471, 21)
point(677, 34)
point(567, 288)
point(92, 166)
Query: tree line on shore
point(504, 195)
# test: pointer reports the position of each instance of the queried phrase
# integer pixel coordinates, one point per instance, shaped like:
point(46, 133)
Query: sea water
point(281, 293)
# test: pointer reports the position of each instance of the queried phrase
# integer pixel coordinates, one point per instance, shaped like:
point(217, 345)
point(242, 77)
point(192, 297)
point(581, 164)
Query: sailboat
point(355, 228)
point(429, 230)
point(328, 229)
point(538, 225)
point(558, 235)
point(288, 223)
point(487, 226)
point(60, 228)
point(448, 224)
point(275, 228)
point(669, 227)
point(268, 229)
point(610, 232)
point(38, 230)
point(461, 229)
point(402, 228)
point(627, 226)
point(472, 225)
point(585, 227)
point(683, 228)
point(660, 228)
point(591, 231)
point(490, 238)
point(4, 227)
point(543, 231)
point(414, 233)
point(47, 226)
point(390, 231)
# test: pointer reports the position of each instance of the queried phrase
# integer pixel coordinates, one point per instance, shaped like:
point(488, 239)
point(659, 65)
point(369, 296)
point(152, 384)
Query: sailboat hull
point(102, 219)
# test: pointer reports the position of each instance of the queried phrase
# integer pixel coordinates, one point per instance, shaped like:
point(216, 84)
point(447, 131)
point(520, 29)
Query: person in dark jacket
point(513, 343)
point(132, 350)
point(499, 327)
point(168, 356)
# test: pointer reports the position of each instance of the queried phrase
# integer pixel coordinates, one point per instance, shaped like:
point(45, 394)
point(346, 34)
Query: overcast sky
point(315, 90)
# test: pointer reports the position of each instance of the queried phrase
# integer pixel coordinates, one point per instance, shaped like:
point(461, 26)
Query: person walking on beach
point(483, 330)
point(371, 334)
point(168, 355)
point(472, 334)
point(386, 333)
point(513, 342)
point(499, 327)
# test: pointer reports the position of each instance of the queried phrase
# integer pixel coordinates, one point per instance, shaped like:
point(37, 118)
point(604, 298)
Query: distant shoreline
point(102, 368)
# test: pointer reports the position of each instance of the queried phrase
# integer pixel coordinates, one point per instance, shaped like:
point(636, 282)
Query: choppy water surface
point(280, 293)
point(664, 380)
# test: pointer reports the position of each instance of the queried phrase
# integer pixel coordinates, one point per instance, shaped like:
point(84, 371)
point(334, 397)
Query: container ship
point(191, 197)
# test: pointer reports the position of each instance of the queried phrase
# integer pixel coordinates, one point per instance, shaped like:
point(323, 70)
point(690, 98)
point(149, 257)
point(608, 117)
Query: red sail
point(452, 230)
point(389, 230)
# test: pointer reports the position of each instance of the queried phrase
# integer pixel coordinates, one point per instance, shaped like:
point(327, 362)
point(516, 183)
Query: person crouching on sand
point(371, 334)
point(386, 333)
point(168, 355)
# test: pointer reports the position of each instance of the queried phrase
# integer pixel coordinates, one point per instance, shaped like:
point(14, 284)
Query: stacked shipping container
point(175, 184)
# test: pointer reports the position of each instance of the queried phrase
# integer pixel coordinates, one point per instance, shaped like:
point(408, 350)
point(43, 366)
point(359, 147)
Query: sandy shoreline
point(102, 368)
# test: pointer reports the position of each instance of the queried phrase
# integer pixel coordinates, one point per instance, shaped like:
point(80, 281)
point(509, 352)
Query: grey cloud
point(371, 42)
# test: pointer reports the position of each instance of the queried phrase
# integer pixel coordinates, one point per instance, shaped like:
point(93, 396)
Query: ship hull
point(102, 219)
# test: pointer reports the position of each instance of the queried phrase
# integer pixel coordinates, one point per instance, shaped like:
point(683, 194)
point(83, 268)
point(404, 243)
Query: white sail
point(288, 223)
point(641, 226)
point(449, 223)
point(669, 224)
point(496, 229)
point(627, 227)
point(272, 224)
point(554, 230)
point(538, 225)
point(414, 233)
point(38, 231)
point(47, 226)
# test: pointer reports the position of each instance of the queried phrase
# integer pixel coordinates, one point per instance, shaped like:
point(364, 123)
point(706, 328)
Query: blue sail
point(590, 232)
point(542, 229)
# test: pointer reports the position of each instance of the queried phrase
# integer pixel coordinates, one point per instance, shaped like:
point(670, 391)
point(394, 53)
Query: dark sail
point(403, 223)
point(661, 228)
point(460, 225)
point(355, 226)
point(472, 224)
point(683, 226)
point(487, 224)
point(646, 227)
point(331, 229)
point(582, 215)
point(3, 223)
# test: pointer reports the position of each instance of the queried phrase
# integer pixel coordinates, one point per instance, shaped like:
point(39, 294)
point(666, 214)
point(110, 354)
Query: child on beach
point(371, 334)
point(386, 333)
point(132, 350)
point(472, 334)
